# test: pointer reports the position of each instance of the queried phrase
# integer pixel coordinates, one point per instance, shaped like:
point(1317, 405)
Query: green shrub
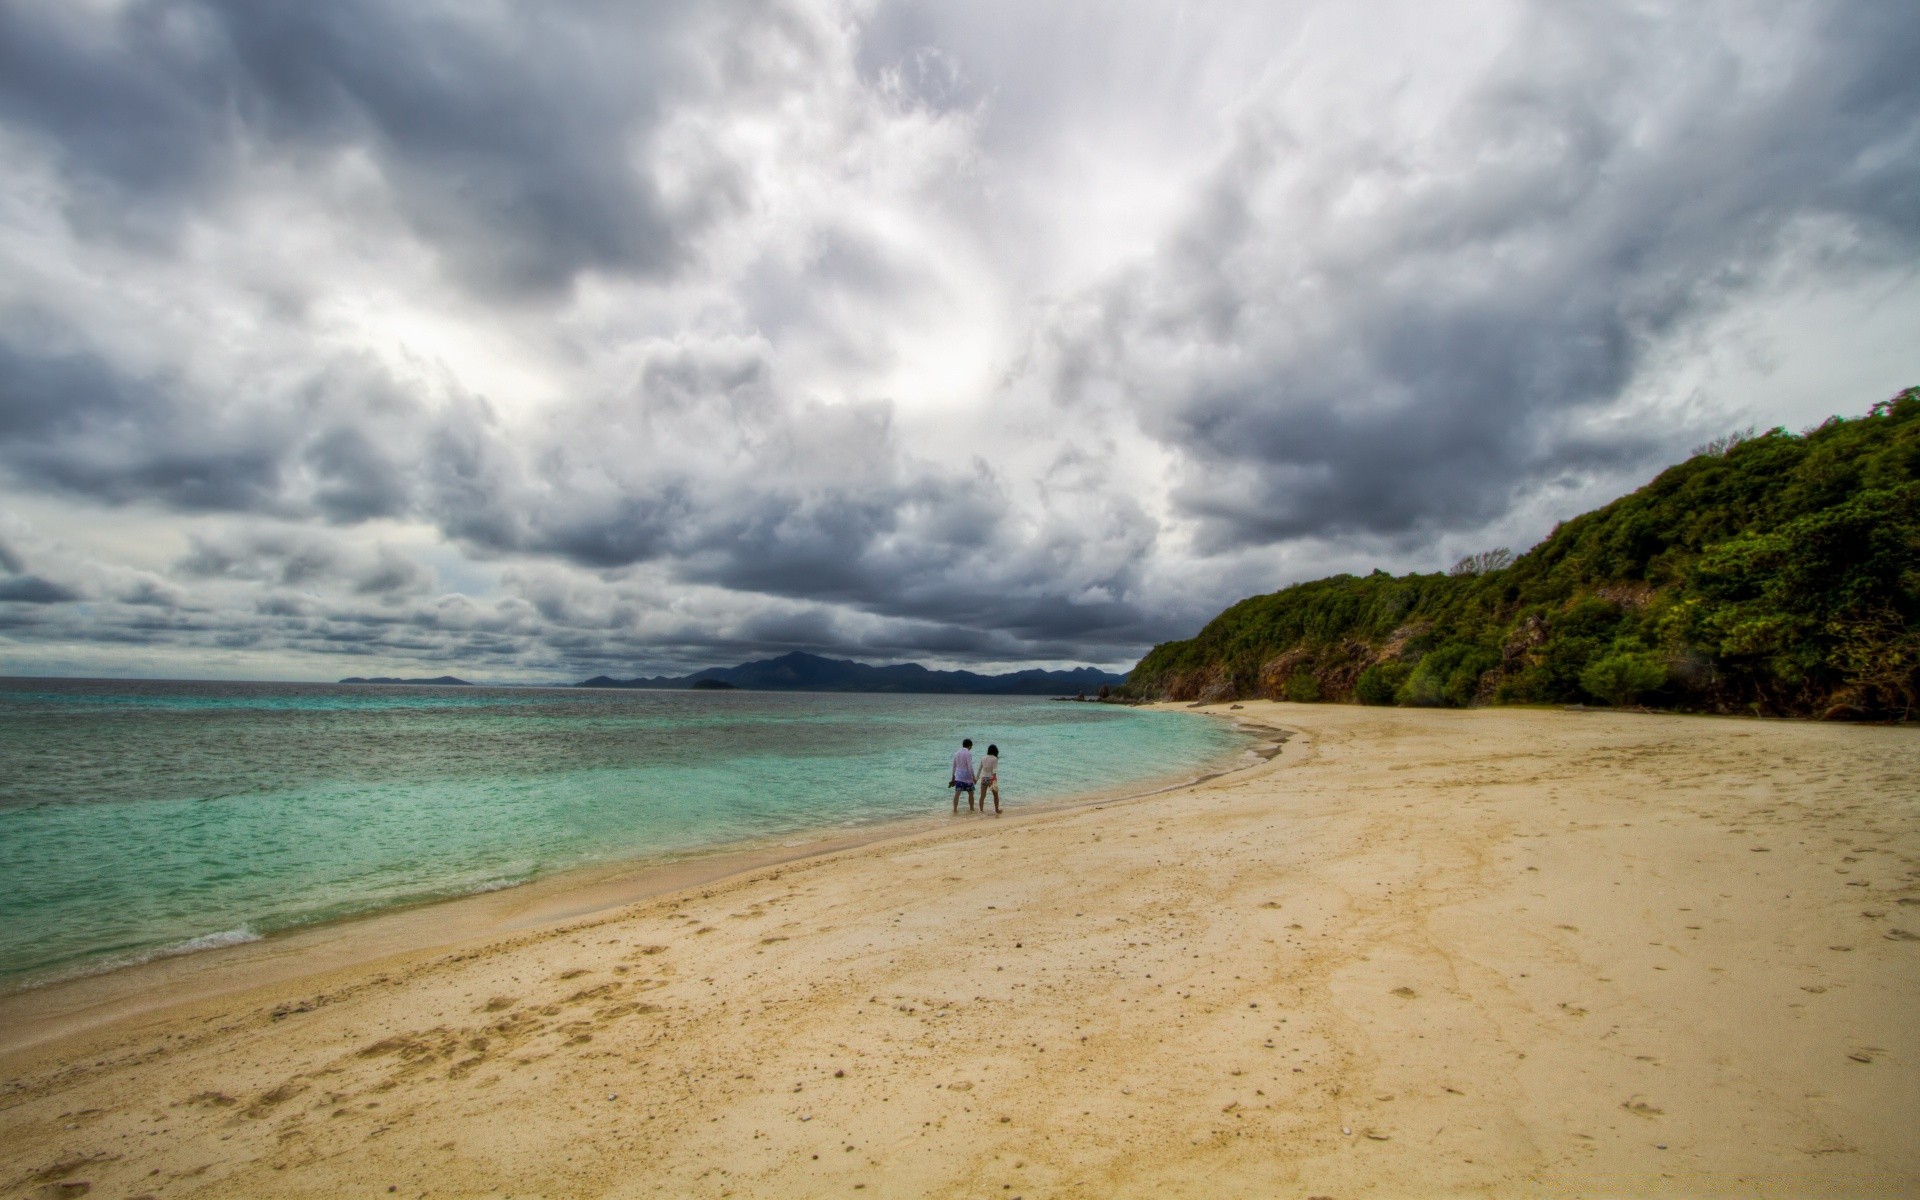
point(1529, 685)
point(1380, 683)
point(1303, 688)
point(1448, 675)
point(1625, 676)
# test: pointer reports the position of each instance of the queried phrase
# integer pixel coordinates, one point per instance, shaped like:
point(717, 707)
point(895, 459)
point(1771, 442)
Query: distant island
point(441, 681)
point(1773, 575)
point(802, 672)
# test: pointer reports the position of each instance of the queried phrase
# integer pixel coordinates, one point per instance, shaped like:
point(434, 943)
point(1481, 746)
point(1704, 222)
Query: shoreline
point(35, 1012)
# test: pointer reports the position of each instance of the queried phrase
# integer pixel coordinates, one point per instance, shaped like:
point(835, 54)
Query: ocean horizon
point(146, 818)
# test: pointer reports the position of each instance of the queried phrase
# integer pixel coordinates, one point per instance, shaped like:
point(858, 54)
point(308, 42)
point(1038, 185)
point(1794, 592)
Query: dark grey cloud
point(151, 593)
point(73, 420)
point(31, 589)
point(824, 504)
point(282, 558)
point(356, 479)
point(298, 560)
point(512, 140)
point(1449, 418)
point(1427, 366)
point(391, 574)
point(19, 586)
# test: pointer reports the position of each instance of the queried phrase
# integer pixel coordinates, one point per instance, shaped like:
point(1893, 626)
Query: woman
point(990, 778)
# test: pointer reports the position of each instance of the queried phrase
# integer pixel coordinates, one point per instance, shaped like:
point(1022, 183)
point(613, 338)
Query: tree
point(1718, 447)
point(1487, 560)
point(1624, 677)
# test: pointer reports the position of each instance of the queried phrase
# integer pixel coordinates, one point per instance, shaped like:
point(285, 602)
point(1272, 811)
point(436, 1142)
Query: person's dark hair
point(994, 750)
point(967, 743)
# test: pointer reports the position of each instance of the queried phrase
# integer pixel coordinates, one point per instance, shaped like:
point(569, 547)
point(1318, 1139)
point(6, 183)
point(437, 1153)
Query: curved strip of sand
point(1495, 952)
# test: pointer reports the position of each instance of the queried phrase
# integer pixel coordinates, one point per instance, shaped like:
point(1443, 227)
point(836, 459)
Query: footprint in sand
point(466, 1066)
point(594, 993)
point(268, 1100)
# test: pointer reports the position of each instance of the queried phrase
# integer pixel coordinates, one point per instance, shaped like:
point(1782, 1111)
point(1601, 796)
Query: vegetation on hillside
point(1775, 574)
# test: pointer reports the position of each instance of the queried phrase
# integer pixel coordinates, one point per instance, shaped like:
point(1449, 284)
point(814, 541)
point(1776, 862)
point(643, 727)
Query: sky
point(532, 341)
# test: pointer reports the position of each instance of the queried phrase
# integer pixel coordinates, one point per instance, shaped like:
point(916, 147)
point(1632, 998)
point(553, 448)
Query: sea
point(144, 819)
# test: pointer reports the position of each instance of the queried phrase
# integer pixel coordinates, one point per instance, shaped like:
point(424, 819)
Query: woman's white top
point(990, 767)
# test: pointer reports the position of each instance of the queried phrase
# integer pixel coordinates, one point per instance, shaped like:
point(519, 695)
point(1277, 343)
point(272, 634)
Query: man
point(962, 780)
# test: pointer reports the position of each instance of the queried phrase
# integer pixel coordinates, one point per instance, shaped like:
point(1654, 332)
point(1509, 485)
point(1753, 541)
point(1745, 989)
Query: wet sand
point(1498, 952)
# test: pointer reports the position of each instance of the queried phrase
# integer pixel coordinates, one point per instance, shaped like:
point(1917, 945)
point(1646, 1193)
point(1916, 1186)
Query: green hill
point(1777, 574)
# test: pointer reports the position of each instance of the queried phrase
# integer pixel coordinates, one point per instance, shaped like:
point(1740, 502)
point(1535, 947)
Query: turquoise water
point(145, 818)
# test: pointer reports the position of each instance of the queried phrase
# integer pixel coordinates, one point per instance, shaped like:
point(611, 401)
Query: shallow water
point(145, 818)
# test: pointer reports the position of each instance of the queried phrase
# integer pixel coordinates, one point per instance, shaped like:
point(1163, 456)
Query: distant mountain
point(442, 681)
point(799, 672)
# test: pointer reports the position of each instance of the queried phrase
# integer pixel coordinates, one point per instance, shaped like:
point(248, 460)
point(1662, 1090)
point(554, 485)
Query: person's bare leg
point(996, 798)
point(956, 800)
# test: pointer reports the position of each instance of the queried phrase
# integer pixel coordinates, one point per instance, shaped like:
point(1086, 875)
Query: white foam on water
point(498, 885)
point(206, 941)
point(193, 945)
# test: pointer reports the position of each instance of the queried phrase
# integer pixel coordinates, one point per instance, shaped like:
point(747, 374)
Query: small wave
point(500, 884)
point(206, 941)
point(100, 966)
point(193, 945)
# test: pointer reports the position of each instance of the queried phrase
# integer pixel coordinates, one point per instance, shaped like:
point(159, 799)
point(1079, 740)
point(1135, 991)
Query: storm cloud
point(533, 341)
point(508, 145)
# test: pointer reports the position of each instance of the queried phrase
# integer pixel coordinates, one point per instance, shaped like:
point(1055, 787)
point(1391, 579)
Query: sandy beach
point(1418, 953)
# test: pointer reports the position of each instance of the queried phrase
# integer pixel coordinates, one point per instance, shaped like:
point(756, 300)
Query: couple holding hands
point(962, 779)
